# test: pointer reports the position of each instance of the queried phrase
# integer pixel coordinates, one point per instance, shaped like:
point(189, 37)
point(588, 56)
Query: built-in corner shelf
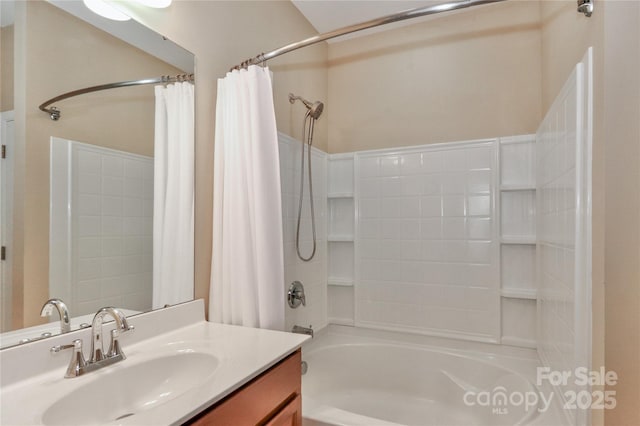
point(340, 195)
point(519, 293)
point(341, 230)
point(517, 207)
point(529, 240)
point(340, 282)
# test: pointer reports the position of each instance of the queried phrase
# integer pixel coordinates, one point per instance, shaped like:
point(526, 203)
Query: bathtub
point(368, 377)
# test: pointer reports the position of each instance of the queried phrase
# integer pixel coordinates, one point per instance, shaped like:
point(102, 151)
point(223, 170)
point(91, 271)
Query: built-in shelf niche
point(341, 217)
point(519, 322)
point(340, 305)
point(341, 239)
point(518, 240)
point(518, 267)
point(518, 213)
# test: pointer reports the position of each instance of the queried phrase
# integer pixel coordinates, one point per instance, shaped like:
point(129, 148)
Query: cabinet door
point(259, 401)
point(290, 415)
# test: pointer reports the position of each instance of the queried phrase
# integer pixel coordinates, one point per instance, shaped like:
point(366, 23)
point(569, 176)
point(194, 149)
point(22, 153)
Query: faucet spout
point(63, 312)
point(97, 348)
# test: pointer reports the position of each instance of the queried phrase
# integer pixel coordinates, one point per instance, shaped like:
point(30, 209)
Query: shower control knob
point(295, 295)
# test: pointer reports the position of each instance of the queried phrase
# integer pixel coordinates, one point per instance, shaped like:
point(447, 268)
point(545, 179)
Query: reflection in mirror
point(79, 208)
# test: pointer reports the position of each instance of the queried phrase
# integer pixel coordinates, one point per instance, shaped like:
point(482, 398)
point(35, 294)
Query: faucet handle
point(114, 346)
point(77, 363)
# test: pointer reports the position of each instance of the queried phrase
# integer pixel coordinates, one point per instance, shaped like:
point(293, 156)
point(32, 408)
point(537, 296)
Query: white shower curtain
point(247, 267)
point(173, 261)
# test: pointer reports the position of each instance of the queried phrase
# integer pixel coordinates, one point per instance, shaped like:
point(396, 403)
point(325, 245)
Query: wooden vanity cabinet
point(271, 399)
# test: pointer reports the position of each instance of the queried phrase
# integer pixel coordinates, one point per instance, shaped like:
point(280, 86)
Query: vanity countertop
point(240, 354)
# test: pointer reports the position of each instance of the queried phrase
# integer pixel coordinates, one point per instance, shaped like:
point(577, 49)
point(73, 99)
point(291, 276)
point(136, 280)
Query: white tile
point(369, 187)
point(132, 245)
point(431, 206)
point(111, 266)
point(455, 160)
point(390, 249)
point(369, 166)
point(411, 164)
point(479, 228)
point(411, 250)
point(111, 247)
point(89, 226)
point(89, 205)
point(111, 226)
point(390, 229)
point(409, 207)
point(453, 228)
point(112, 186)
point(432, 161)
point(479, 158)
point(390, 166)
point(88, 162)
point(431, 229)
point(88, 247)
point(410, 229)
point(390, 208)
point(112, 166)
point(133, 168)
point(368, 228)
point(453, 206)
point(89, 183)
point(479, 182)
point(390, 186)
point(111, 206)
point(133, 187)
point(132, 206)
point(89, 269)
point(432, 184)
point(453, 183)
point(479, 205)
point(479, 251)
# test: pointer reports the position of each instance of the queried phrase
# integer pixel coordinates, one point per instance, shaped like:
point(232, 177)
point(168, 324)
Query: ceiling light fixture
point(157, 4)
point(105, 10)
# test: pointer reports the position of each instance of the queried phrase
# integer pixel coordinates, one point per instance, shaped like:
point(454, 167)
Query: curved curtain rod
point(54, 112)
point(396, 17)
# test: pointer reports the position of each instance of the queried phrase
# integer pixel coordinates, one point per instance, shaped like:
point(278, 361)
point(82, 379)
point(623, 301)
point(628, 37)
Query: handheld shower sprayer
point(313, 113)
point(315, 109)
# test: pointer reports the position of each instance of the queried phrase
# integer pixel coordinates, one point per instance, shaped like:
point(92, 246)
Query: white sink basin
point(131, 389)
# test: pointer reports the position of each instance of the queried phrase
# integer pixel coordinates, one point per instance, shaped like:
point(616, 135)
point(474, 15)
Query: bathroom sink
point(131, 389)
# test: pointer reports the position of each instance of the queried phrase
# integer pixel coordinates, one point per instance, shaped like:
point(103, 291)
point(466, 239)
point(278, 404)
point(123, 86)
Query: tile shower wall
point(563, 150)
point(109, 234)
point(427, 249)
point(312, 274)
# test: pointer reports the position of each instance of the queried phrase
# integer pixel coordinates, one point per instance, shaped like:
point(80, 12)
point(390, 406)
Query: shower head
point(315, 109)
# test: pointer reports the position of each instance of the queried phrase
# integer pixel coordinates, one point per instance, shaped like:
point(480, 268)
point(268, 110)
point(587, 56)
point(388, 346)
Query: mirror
point(77, 194)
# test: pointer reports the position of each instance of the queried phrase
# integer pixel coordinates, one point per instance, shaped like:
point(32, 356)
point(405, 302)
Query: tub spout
point(302, 330)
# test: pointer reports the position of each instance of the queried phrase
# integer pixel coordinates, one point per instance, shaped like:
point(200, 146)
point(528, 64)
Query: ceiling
point(327, 15)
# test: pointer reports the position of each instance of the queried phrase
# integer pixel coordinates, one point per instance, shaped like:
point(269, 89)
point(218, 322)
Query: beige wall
point(6, 68)
point(467, 75)
point(622, 252)
point(76, 56)
point(222, 34)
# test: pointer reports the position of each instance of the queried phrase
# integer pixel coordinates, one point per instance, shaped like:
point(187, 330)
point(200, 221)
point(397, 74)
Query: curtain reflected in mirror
point(78, 216)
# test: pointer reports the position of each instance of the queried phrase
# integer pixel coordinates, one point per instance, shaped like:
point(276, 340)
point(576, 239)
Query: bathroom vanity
point(271, 399)
point(179, 369)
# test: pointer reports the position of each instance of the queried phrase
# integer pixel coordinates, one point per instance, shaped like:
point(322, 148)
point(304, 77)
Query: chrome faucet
point(78, 365)
point(97, 349)
point(63, 311)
